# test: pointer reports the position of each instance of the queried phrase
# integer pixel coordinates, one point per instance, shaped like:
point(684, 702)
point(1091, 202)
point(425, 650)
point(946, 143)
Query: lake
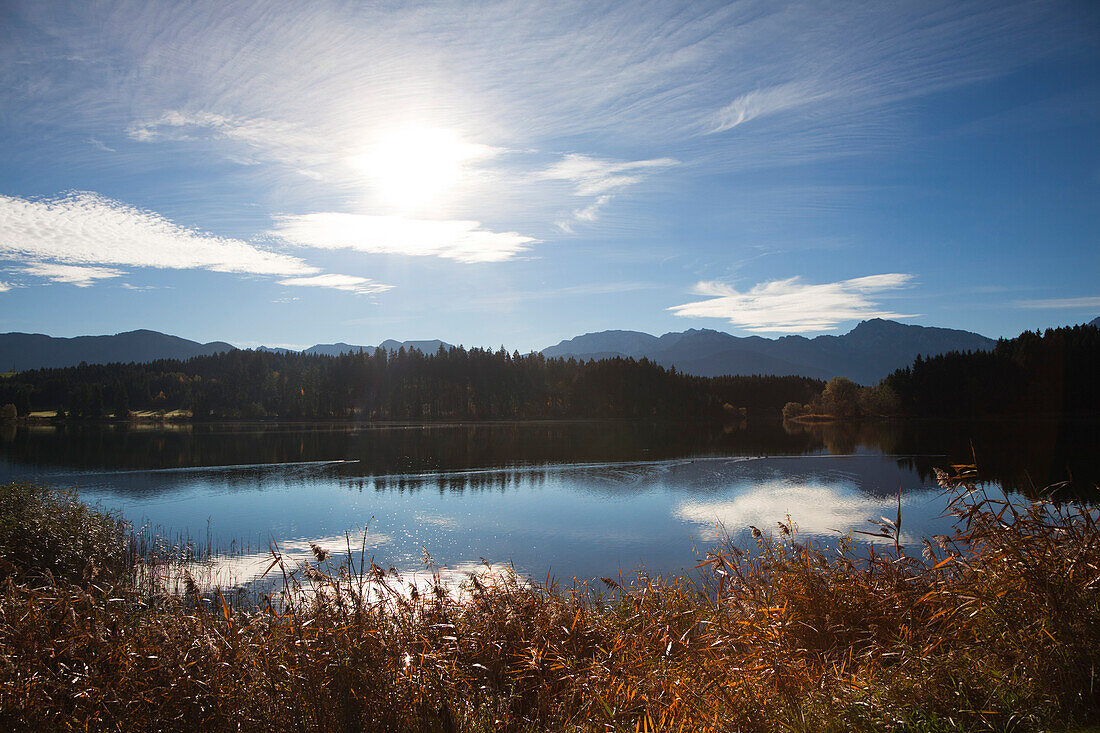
point(568, 499)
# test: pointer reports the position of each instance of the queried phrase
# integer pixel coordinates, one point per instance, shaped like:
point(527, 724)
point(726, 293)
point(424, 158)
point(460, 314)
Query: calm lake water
point(583, 499)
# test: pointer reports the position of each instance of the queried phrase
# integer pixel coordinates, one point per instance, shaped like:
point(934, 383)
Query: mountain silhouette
point(22, 351)
point(428, 347)
point(865, 354)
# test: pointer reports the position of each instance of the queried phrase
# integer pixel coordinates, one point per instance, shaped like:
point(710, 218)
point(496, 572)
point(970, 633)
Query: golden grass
point(994, 627)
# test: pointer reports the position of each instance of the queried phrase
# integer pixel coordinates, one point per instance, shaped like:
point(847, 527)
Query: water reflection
point(575, 499)
point(820, 510)
point(585, 520)
point(386, 449)
point(1022, 456)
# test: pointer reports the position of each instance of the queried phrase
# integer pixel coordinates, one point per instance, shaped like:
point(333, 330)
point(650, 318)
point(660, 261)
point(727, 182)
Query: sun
point(417, 167)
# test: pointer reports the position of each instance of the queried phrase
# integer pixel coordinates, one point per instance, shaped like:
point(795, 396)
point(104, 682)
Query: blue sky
point(516, 173)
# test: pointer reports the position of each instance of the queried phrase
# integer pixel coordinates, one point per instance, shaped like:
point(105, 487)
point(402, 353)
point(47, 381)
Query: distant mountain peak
point(427, 347)
point(604, 343)
point(876, 323)
point(871, 350)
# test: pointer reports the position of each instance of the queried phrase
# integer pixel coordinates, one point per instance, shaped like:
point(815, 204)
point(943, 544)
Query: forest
point(451, 384)
point(1049, 374)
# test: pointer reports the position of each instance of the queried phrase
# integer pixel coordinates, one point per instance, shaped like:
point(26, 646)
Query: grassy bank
point(994, 627)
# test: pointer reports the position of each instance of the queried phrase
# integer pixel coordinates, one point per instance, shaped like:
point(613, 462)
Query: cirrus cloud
point(763, 102)
point(793, 306)
point(273, 140)
point(1088, 301)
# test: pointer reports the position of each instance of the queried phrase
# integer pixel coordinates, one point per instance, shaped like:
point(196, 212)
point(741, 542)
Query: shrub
point(792, 410)
point(46, 533)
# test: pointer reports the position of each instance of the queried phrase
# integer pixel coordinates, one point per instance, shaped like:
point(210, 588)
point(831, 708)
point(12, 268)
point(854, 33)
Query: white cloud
point(84, 228)
point(350, 283)
point(5, 287)
point(1092, 301)
point(595, 177)
point(80, 238)
point(82, 277)
point(598, 179)
point(792, 306)
point(306, 86)
point(464, 241)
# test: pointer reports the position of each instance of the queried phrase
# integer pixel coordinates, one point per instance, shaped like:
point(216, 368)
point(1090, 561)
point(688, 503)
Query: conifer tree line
point(1055, 373)
point(451, 384)
point(1051, 374)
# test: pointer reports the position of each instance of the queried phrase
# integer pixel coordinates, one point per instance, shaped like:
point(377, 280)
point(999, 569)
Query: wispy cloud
point(5, 287)
point(464, 241)
point(275, 140)
point(310, 92)
point(598, 180)
point(647, 71)
point(99, 145)
point(595, 177)
point(351, 283)
point(764, 102)
point(1090, 301)
point(77, 275)
point(792, 306)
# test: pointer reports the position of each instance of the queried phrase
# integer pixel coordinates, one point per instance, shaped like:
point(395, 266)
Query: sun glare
point(418, 167)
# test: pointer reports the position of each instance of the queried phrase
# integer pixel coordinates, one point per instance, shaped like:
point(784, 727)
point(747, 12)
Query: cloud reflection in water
point(819, 510)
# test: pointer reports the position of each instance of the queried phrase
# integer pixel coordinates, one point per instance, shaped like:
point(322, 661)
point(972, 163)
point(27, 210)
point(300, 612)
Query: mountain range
point(23, 351)
point(865, 354)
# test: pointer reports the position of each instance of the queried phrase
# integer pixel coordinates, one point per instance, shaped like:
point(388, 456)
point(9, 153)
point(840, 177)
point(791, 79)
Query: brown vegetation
point(843, 399)
point(994, 627)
